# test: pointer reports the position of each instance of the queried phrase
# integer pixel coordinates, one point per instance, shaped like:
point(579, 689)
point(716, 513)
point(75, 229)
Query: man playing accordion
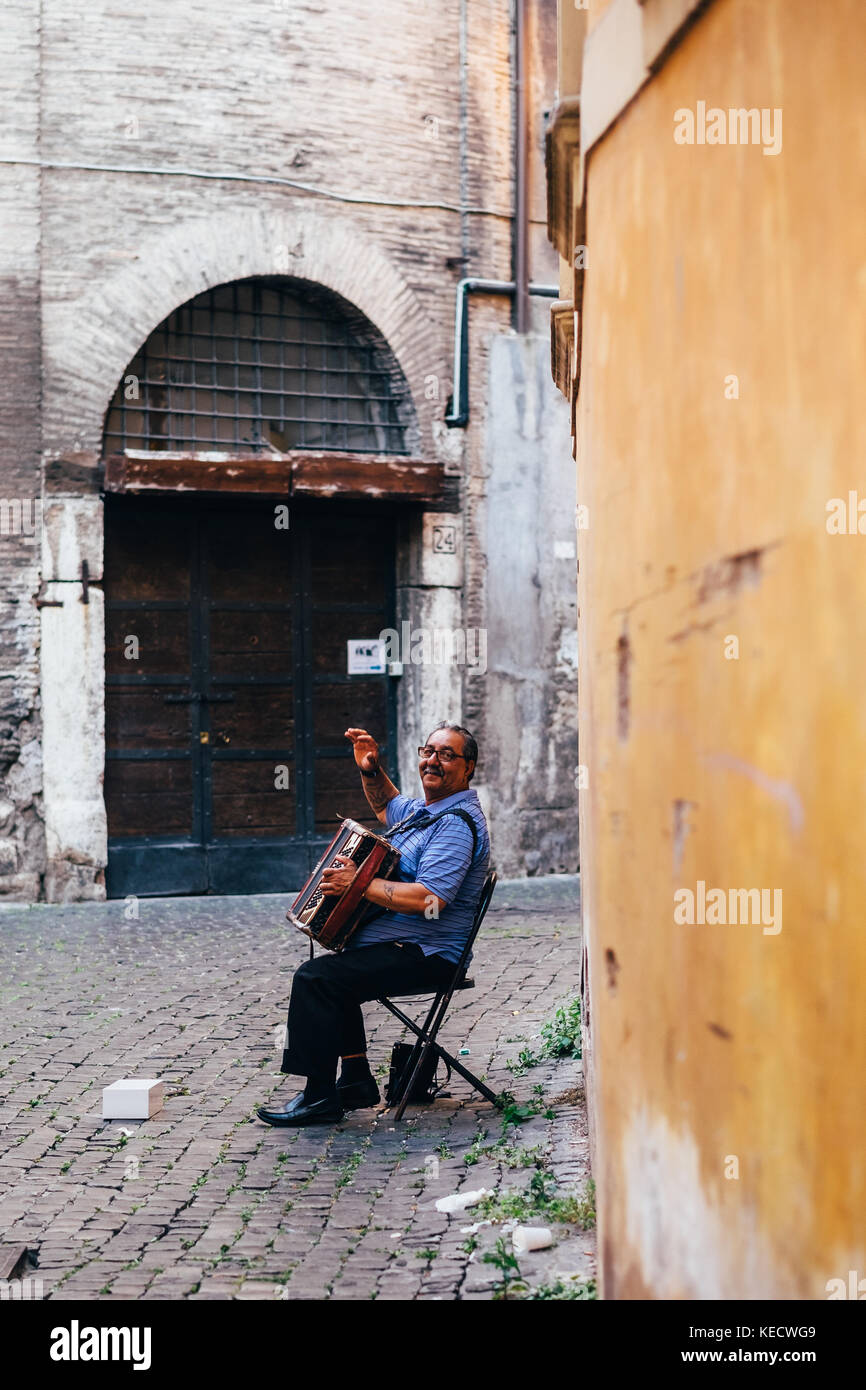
point(410, 947)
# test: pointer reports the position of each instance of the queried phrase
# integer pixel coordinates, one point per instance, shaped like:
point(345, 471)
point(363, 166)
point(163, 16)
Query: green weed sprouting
point(541, 1198)
point(506, 1262)
point(559, 1289)
point(560, 1037)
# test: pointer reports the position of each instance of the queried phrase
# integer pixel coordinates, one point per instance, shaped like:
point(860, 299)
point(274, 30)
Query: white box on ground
point(131, 1099)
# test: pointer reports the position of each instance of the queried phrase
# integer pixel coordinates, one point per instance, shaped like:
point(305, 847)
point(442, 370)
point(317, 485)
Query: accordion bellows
point(331, 920)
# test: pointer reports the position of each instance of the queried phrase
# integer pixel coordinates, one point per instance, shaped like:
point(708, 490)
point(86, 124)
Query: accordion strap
point(420, 820)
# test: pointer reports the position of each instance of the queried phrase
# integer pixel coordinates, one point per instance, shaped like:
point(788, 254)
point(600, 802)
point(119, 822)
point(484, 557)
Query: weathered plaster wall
point(520, 547)
point(528, 541)
point(73, 699)
point(727, 1047)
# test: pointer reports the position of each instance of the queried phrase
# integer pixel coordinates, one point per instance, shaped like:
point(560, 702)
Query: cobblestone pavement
point(204, 1201)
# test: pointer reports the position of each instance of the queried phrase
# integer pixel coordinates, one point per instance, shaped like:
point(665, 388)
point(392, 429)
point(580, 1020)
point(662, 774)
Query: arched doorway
point(228, 616)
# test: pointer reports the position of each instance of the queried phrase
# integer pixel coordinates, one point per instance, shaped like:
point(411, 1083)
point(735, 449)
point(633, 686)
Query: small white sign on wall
point(366, 656)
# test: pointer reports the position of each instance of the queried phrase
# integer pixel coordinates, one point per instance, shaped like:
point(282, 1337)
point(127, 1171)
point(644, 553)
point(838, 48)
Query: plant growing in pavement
point(584, 1289)
point(514, 1113)
point(560, 1037)
point(541, 1198)
point(506, 1262)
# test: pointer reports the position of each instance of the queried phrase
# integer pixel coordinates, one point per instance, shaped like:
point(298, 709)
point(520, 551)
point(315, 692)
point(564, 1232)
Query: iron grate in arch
point(262, 365)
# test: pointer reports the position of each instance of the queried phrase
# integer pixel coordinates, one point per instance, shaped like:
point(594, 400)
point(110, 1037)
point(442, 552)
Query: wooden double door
point(227, 693)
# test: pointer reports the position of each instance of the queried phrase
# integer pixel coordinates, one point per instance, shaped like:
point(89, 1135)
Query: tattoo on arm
point(388, 889)
point(379, 790)
point(376, 794)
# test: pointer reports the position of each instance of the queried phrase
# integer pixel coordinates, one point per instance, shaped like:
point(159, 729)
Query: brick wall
point(172, 140)
point(21, 836)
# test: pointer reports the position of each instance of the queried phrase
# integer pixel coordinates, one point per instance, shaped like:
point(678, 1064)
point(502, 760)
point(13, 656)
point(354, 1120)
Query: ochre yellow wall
point(707, 519)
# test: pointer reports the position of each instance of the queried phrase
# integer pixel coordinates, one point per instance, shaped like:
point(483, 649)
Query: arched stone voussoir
point(96, 336)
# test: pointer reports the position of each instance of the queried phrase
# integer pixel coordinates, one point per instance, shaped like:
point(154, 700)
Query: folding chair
point(426, 1035)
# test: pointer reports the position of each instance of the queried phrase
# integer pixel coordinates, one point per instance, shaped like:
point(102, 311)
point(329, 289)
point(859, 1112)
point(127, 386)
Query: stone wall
point(22, 841)
point(179, 146)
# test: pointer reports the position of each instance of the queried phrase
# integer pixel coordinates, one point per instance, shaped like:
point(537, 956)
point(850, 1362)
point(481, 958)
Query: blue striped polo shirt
point(439, 856)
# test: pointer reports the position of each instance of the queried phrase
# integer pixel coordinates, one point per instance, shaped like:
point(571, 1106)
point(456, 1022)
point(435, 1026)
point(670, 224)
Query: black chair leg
point(453, 1063)
point(467, 1075)
point(416, 1071)
point(426, 1036)
point(421, 1035)
point(406, 1078)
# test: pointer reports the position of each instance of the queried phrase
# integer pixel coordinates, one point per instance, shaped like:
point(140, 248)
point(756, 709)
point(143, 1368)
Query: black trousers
point(325, 1020)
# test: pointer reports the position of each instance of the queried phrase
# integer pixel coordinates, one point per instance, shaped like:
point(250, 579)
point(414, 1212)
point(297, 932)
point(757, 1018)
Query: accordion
point(330, 920)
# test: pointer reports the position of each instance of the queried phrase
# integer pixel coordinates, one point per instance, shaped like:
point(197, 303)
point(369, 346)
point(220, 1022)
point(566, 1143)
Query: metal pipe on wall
point(520, 287)
point(521, 221)
point(465, 238)
point(458, 415)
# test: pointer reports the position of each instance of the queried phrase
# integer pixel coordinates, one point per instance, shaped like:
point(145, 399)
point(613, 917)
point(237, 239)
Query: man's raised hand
point(365, 748)
point(378, 787)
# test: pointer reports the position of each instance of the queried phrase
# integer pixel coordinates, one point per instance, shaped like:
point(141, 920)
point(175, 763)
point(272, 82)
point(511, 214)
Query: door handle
point(192, 699)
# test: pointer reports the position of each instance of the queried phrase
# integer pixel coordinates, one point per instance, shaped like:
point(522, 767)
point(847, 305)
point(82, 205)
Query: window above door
point(266, 365)
point(270, 386)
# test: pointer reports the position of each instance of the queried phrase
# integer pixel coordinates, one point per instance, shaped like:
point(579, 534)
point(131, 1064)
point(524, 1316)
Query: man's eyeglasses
point(445, 755)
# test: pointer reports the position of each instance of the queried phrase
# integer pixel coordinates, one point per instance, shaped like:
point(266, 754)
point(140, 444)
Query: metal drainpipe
point(520, 287)
point(521, 225)
point(458, 416)
point(465, 238)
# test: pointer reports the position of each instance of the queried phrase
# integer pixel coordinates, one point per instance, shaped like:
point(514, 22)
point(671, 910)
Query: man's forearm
point(379, 790)
point(404, 897)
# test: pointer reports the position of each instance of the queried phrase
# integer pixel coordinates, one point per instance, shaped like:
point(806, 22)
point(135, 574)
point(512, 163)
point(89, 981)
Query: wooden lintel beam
point(163, 471)
point(366, 476)
point(302, 473)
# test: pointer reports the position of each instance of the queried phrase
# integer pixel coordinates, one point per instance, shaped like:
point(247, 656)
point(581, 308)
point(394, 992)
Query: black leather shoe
point(298, 1112)
point(357, 1095)
point(287, 1109)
